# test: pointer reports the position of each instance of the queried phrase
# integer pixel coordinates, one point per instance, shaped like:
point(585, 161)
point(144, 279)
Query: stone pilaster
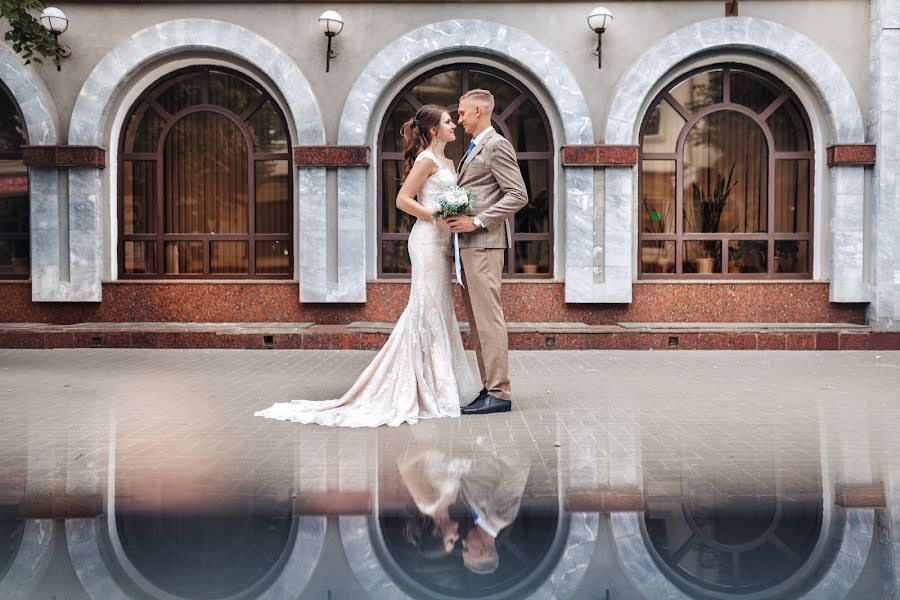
point(884, 130)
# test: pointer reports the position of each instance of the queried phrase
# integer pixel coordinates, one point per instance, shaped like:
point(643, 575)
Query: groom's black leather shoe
point(479, 397)
point(486, 405)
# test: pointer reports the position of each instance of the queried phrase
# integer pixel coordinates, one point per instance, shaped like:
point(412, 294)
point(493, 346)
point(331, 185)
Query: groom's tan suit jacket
point(491, 173)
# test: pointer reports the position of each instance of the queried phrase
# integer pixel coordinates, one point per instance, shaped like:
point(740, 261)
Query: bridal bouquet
point(454, 201)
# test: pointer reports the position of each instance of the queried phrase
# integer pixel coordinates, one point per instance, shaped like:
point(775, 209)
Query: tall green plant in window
point(707, 206)
point(28, 37)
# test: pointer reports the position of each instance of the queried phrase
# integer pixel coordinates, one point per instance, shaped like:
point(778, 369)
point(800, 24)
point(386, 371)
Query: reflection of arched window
point(205, 180)
point(205, 555)
point(11, 530)
point(14, 227)
point(409, 546)
point(519, 118)
point(734, 544)
point(726, 178)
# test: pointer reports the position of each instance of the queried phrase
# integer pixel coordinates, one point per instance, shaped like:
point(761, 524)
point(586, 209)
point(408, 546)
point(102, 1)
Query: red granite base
point(338, 337)
point(523, 302)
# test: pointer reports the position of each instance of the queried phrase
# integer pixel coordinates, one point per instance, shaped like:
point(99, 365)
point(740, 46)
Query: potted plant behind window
point(706, 211)
point(659, 259)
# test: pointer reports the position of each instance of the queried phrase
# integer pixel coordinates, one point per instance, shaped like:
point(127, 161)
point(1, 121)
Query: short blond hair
point(483, 98)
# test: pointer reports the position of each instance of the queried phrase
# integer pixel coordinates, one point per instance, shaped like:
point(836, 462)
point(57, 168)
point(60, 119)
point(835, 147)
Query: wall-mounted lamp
point(331, 24)
point(598, 20)
point(56, 22)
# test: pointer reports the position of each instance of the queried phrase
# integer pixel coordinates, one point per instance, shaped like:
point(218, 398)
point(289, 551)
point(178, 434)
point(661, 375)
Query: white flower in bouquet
point(454, 201)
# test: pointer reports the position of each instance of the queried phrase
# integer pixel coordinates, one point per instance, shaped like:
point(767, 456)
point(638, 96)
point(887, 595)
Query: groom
point(489, 170)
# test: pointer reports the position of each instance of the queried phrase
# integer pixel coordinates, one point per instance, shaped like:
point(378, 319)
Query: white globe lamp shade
point(331, 23)
point(54, 20)
point(599, 19)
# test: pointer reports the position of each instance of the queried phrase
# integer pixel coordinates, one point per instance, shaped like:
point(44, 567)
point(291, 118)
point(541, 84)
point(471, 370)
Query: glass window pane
point(267, 130)
point(442, 89)
point(657, 257)
point(182, 92)
point(391, 140)
point(139, 196)
point(184, 257)
point(14, 208)
point(702, 257)
point(725, 175)
point(527, 132)
point(395, 257)
point(273, 258)
point(535, 216)
point(14, 258)
point(228, 258)
point(504, 92)
point(231, 92)
point(664, 124)
point(753, 91)
point(789, 128)
point(273, 202)
point(658, 196)
point(791, 256)
point(532, 257)
point(748, 256)
point(700, 91)
point(144, 129)
point(205, 174)
point(140, 257)
point(393, 220)
point(792, 196)
point(12, 134)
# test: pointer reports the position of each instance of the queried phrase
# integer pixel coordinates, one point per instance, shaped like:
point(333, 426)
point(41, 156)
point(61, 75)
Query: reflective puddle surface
point(114, 491)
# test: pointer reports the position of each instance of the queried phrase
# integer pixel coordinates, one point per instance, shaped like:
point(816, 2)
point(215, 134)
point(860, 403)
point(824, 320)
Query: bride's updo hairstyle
point(417, 135)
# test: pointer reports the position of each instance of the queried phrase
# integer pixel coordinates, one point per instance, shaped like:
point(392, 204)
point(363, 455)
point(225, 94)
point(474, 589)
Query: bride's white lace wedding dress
point(422, 371)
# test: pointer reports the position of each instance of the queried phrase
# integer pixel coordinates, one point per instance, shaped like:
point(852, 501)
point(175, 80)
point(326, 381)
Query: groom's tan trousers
point(482, 275)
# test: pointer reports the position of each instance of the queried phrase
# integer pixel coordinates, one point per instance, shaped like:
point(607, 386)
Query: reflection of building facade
point(209, 170)
point(599, 516)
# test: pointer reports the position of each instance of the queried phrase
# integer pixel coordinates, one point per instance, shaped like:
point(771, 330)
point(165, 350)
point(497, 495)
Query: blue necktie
point(471, 145)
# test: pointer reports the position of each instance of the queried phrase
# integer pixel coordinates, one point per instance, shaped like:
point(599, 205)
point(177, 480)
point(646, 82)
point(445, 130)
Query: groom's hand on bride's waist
point(462, 224)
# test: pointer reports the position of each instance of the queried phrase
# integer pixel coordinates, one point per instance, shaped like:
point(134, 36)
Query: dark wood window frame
point(149, 97)
point(499, 123)
point(770, 236)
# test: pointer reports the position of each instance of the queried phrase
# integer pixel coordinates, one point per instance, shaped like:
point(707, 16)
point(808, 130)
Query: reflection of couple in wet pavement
point(462, 501)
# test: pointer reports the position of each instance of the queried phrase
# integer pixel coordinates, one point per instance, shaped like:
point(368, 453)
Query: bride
point(422, 371)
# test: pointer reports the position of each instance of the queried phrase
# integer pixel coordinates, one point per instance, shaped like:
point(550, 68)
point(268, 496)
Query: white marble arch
point(110, 80)
point(844, 126)
point(41, 121)
point(430, 42)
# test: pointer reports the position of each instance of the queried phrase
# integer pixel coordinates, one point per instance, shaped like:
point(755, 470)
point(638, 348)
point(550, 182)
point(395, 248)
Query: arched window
point(519, 118)
point(205, 181)
point(726, 179)
point(14, 223)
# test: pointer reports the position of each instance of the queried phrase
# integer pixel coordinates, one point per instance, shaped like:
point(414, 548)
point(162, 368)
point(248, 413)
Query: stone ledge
point(536, 336)
point(850, 154)
point(861, 496)
point(64, 156)
point(601, 155)
point(331, 156)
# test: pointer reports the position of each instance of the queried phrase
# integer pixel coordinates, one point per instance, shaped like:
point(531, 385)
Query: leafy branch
point(28, 37)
